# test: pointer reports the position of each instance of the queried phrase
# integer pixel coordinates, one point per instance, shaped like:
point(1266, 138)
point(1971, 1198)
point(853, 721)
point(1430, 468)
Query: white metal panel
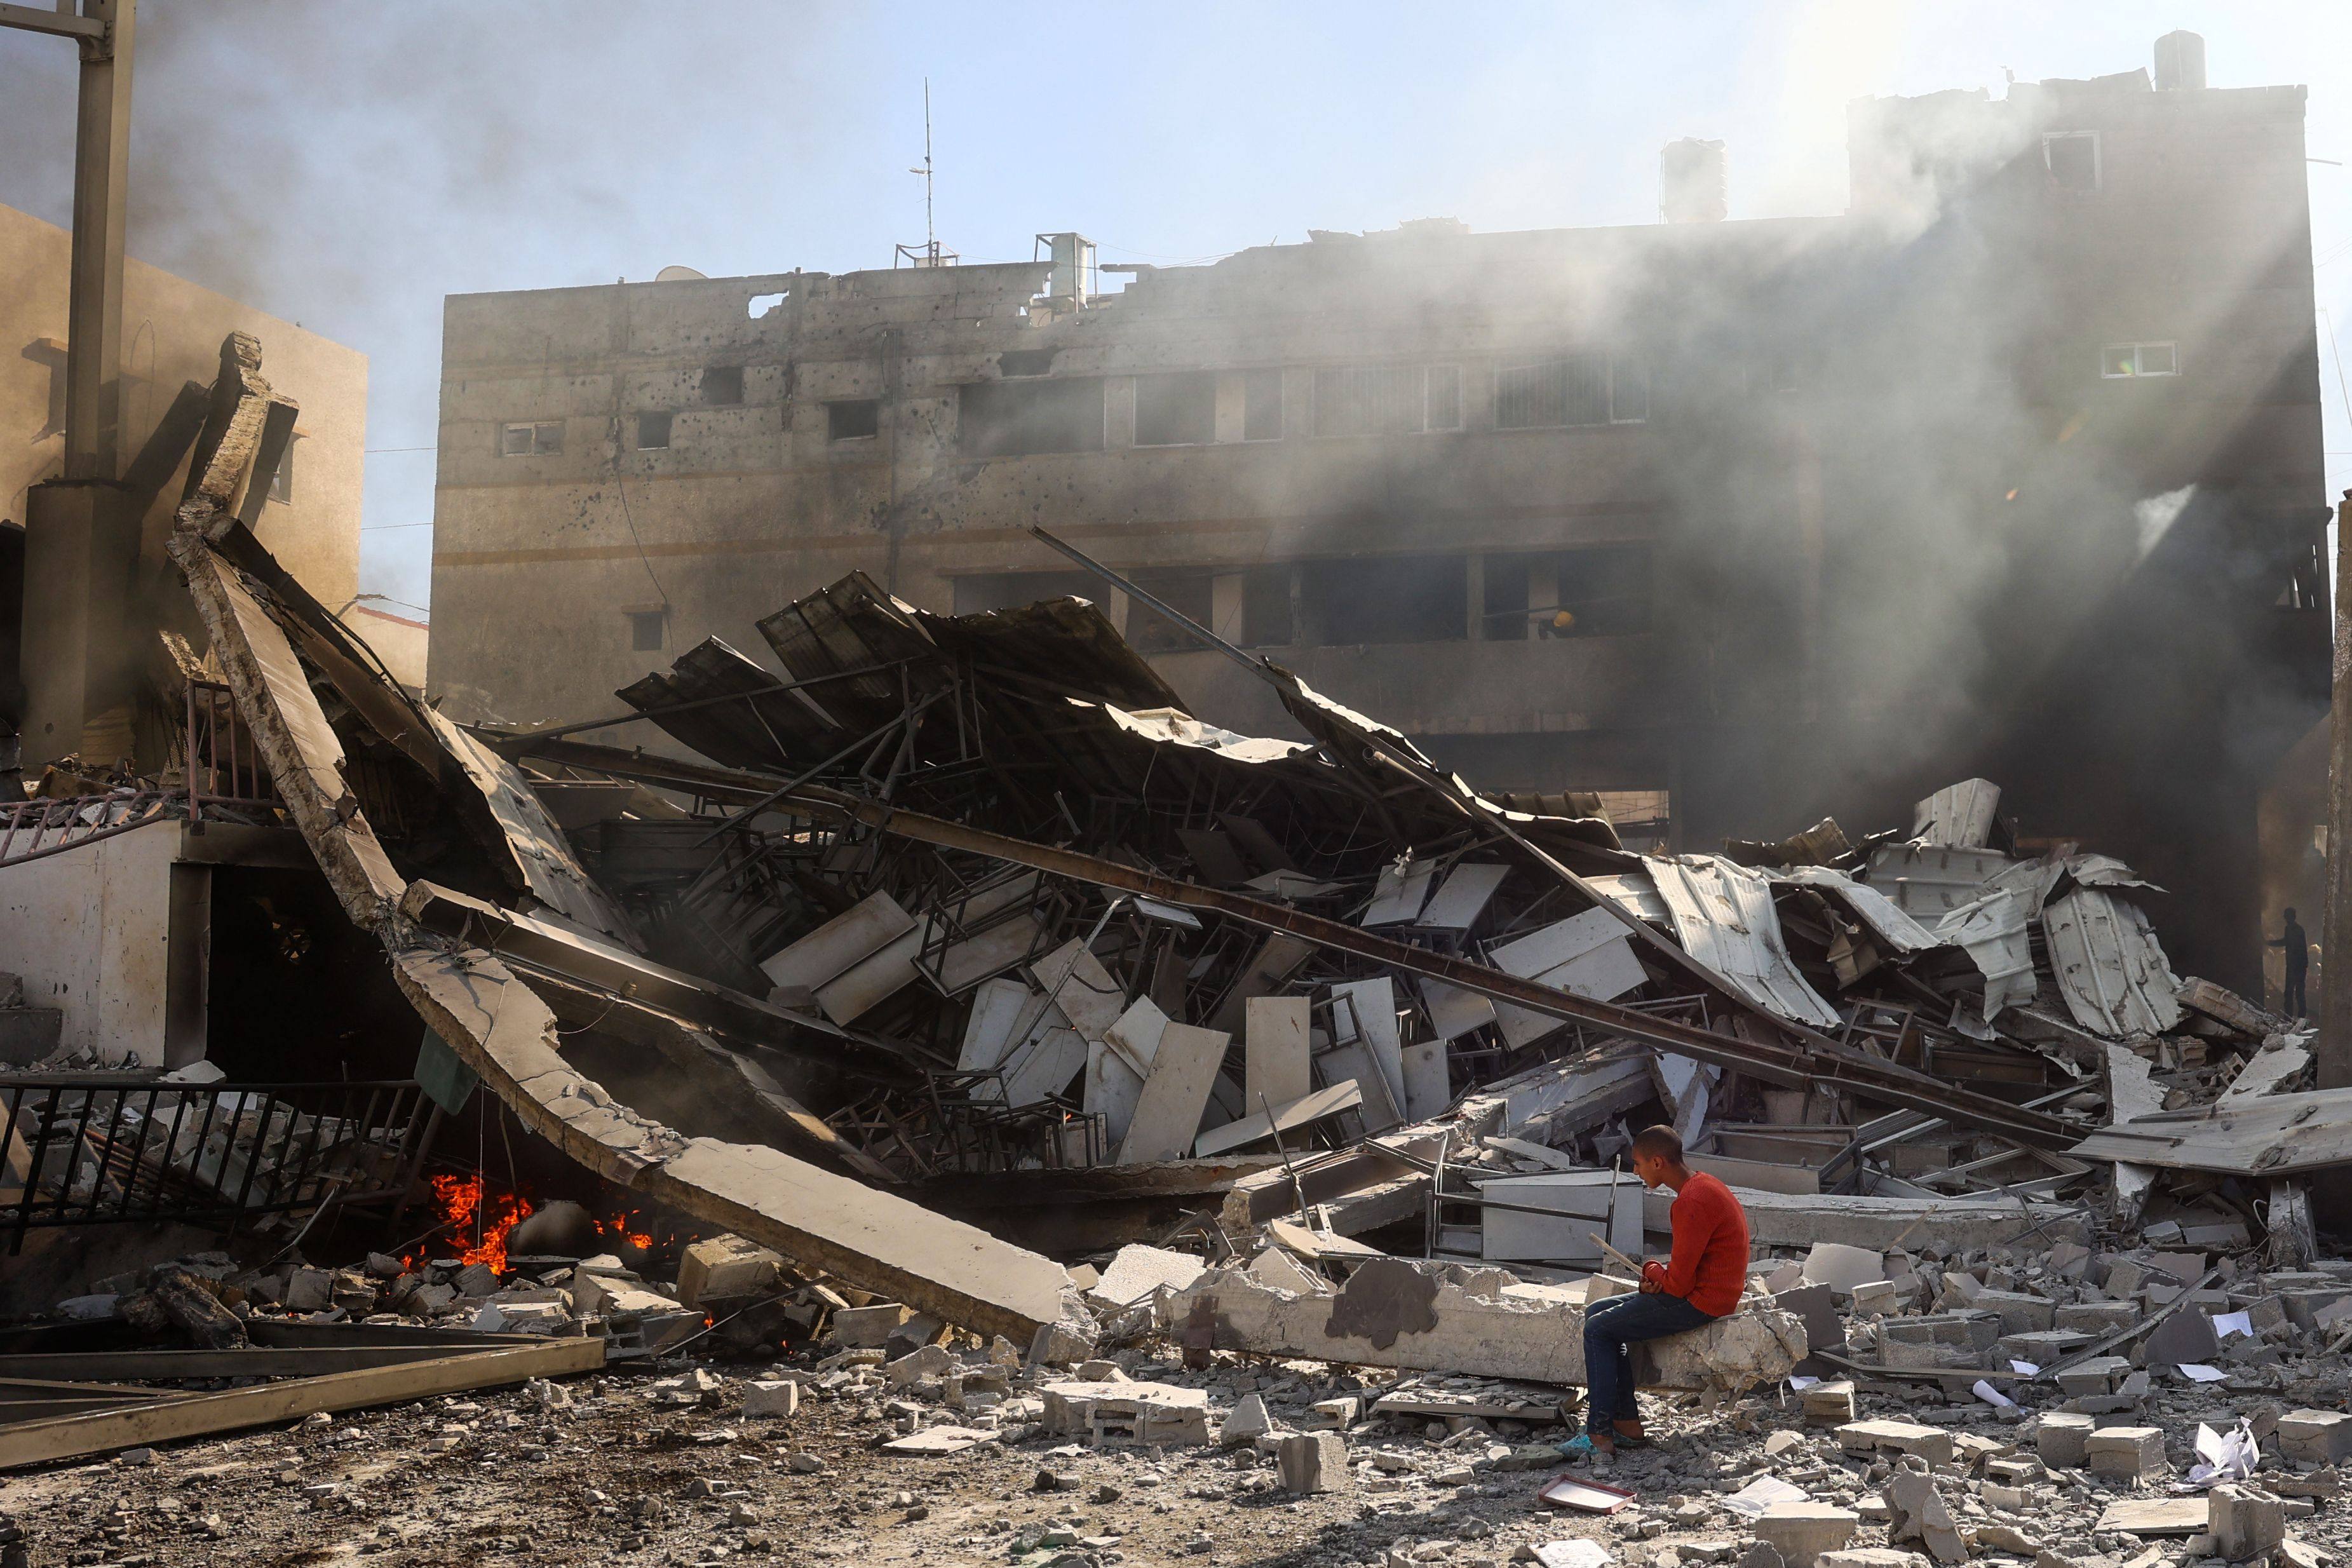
point(1081, 987)
point(1884, 917)
point(1371, 1003)
point(1403, 889)
point(1275, 1069)
point(1453, 1011)
point(1003, 1012)
point(856, 933)
point(1379, 1110)
point(1427, 1088)
point(1928, 882)
point(1590, 954)
point(1168, 1112)
point(1993, 930)
point(1635, 892)
point(2109, 968)
point(1585, 1202)
point(1463, 896)
point(1724, 917)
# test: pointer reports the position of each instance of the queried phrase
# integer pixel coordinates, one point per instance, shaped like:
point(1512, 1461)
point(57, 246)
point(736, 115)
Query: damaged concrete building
point(2012, 469)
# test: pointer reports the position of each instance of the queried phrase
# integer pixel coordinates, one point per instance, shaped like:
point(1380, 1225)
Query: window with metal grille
point(1580, 389)
point(534, 440)
point(1387, 400)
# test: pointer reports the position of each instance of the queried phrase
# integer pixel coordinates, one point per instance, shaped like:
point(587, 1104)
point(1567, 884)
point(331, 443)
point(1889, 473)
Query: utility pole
point(101, 177)
point(81, 532)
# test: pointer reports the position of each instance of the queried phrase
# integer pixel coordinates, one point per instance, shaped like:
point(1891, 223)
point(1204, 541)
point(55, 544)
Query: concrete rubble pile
point(999, 1028)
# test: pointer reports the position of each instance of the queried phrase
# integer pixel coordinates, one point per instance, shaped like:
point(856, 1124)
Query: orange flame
point(462, 1199)
point(617, 1227)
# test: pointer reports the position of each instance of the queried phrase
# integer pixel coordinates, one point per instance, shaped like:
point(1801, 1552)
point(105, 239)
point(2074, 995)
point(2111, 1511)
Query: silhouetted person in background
point(2298, 961)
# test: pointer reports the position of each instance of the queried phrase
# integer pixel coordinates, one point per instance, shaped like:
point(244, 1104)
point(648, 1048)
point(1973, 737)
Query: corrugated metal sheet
point(1873, 908)
point(2113, 975)
point(1724, 917)
point(1928, 882)
point(1993, 932)
point(1957, 815)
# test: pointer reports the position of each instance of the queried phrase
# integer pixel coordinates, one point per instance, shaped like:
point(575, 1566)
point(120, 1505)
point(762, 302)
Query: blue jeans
point(1611, 1327)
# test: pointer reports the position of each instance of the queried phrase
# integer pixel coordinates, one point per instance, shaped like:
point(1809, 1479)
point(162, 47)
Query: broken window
point(2072, 158)
point(1581, 389)
point(1011, 419)
point(1262, 405)
point(767, 304)
point(1176, 410)
point(1010, 590)
point(653, 431)
point(535, 440)
point(648, 630)
point(1025, 362)
point(853, 417)
point(1388, 599)
point(1190, 592)
point(1604, 592)
point(1265, 607)
point(1387, 400)
point(722, 386)
point(1507, 598)
point(281, 483)
point(2121, 360)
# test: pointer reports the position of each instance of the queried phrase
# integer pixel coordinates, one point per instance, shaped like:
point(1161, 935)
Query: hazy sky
point(346, 165)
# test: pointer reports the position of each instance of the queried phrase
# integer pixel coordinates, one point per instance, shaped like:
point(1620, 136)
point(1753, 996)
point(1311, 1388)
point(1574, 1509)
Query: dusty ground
point(624, 1478)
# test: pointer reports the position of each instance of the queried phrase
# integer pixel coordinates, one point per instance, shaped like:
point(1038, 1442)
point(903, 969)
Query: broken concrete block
point(1842, 1268)
point(927, 1365)
point(2186, 1336)
point(2063, 1438)
point(1829, 1404)
point(475, 1280)
point(772, 1398)
point(2019, 1313)
point(1877, 1298)
point(1801, 1532)
point(1870, 1557)
point(1313, 1462)
point(2125, 1453)
point(1333, 1414)
point(1058, 1344)
point(2245, 1522)
point(1137, 1272)
point(1247, 1424)
point(2316, 1437)
point(722, 1266)
point(2097, 1375)
point(1931, 1444)
point(1395, 1312)
point(1917, 1511)
point(868, 1328)
point(312, 1290)
point(2098, 1318)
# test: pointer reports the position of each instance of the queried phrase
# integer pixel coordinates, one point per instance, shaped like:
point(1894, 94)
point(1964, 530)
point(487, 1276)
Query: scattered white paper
point(2221, 1458)
point(2197, 1374)
point(1752, 1499)
point(1985, 1391)
point(2227, 1324)
point(2024, 1368)
point(1800, 1383)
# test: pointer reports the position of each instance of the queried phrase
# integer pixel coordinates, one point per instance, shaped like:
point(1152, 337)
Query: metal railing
point(222, 762)
point(112, 1148)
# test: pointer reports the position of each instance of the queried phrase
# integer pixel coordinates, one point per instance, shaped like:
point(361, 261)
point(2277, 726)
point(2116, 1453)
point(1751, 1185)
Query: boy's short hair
point(1661, 1140)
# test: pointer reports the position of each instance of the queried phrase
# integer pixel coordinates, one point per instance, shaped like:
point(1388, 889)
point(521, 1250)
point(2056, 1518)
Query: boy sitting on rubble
point(1702, 1281)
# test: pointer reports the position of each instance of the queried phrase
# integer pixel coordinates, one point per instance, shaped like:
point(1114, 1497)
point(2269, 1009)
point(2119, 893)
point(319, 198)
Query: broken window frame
point(542, 438)
point(282, 482)
point(835, 419)
point(1184, 411)
point(652, 420)
point(1038, 429)
point(720, 386)
point(2098, 160)
point(2111, 355)
point(1262, 405)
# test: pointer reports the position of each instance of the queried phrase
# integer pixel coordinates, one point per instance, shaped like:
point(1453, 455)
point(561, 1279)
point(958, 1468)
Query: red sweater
point(1710, 1265)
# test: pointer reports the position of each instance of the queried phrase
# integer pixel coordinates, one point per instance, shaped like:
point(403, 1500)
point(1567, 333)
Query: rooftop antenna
point(931, 255)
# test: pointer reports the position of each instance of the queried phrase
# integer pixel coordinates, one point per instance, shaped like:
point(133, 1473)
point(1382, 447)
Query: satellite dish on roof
point(678, 275)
